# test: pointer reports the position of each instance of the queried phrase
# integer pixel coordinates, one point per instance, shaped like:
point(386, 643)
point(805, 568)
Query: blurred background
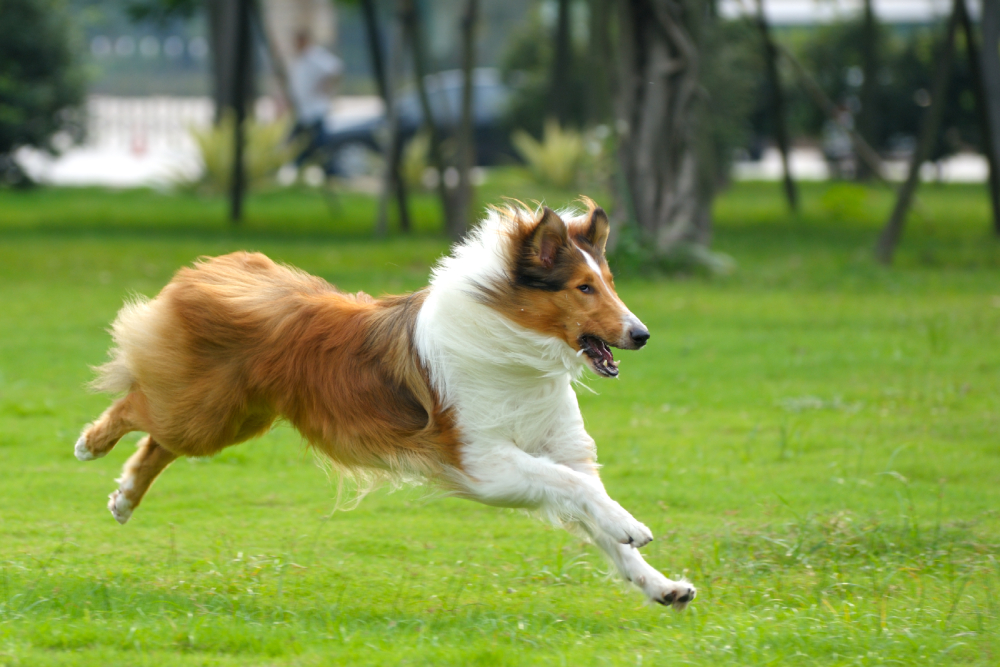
point(655, 106)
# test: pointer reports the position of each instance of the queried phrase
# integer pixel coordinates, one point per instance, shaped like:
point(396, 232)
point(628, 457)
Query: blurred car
point(349, 147)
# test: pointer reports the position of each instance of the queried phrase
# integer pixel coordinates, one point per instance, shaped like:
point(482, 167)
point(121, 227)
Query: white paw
point(81, 450)
point(120, 506)
point(676, 594)
point(625, 528)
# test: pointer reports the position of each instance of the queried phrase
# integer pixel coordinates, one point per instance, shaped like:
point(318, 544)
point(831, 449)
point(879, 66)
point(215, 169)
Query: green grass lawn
point(814, 440)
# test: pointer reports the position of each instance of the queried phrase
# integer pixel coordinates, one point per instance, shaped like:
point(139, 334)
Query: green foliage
point(161, 11)
point(527, 68)
point(40, 84)
point(845, 201)
point(731, 70)
point(266, 150)
point(907, 61)
point(812, 440)
point(556, 159)
point(416, 157)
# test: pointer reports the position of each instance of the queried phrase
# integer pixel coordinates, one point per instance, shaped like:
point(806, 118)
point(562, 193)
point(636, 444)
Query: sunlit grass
point(813, 441)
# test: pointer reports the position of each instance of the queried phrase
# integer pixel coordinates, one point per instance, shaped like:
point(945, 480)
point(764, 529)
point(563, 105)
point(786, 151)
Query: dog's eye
point(586, 289)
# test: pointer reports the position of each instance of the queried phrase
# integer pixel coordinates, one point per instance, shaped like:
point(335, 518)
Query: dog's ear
point(597, 229)
point(547, 238)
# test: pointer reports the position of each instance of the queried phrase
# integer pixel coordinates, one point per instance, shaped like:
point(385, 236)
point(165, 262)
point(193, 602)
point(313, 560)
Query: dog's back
point(237, 341)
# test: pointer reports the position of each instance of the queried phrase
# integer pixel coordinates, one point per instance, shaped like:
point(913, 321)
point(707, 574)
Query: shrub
point(40, 84)
point(556, 159)
point(266, 150)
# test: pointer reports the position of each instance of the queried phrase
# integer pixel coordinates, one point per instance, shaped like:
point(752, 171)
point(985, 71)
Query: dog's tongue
point(606, 354)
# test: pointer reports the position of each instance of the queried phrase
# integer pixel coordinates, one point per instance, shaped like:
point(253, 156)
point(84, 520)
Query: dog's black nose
point(639, 335)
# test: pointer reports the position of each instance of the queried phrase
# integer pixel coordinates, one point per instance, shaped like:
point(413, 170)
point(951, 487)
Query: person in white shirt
point(312, 76)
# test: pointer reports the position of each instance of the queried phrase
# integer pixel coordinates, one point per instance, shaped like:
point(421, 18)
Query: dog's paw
point(120, 506)
point(83, 452)
point(676, 594)
point(625, 528)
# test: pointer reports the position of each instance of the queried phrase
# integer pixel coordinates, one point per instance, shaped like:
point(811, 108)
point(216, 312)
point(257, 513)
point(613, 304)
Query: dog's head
point(564, 288)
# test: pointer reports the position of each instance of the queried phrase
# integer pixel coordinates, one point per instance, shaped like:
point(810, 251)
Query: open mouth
point(600, 355)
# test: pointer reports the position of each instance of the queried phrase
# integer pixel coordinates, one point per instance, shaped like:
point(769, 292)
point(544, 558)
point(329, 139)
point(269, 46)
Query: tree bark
point(656, 110)
point(868, 117)
point(599, 55)
point(414, 31)
point(241, 65)
point(466, 138)
point(558, 101)
point(977, 69)
point(893, 230)
point(223, 37)
point(777, 106)
point(393, 183)
point(991, 85)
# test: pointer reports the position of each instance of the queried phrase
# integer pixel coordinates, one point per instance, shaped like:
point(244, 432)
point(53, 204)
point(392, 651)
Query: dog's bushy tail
point(131, 329)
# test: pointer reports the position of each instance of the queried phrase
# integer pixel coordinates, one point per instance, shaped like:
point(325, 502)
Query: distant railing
point(141, 125)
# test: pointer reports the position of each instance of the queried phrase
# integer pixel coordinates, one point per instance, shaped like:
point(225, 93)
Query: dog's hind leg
point(102, 435)
point(139, 472)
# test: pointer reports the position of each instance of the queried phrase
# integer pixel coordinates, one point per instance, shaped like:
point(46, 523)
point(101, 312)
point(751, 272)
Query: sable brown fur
point(238, 341)
point(549, 261)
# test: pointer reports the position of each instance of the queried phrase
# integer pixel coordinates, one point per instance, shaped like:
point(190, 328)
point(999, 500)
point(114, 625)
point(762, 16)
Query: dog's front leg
point(633, 567)
point(500, 473)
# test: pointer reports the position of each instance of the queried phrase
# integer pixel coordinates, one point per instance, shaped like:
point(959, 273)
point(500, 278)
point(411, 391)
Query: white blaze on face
point(592, 263)
point(628, 319)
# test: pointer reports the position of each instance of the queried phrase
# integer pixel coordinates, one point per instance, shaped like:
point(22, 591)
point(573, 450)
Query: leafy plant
point(415, 159)
point(556, 159)
point(845, 201)
point(266, 150)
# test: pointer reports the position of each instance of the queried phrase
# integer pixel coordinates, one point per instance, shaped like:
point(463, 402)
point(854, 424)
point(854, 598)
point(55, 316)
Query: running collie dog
point(467, 382)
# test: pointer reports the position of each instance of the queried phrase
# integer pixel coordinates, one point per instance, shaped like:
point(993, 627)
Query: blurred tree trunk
point(893, 230)
point(657, 119)
point(868, 118)
point(599, 58)
point(242, 79)
point(393, 182)
point(466, 144)
point(600, 65)
point(991, 90)
point(454, 220)
point(979, 83)
point(224, 41)
point(558, 99)
point(778, 118)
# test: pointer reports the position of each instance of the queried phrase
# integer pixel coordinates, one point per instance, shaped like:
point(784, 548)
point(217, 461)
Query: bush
point(266, 150)
point(40, 84)
point(556, 159)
